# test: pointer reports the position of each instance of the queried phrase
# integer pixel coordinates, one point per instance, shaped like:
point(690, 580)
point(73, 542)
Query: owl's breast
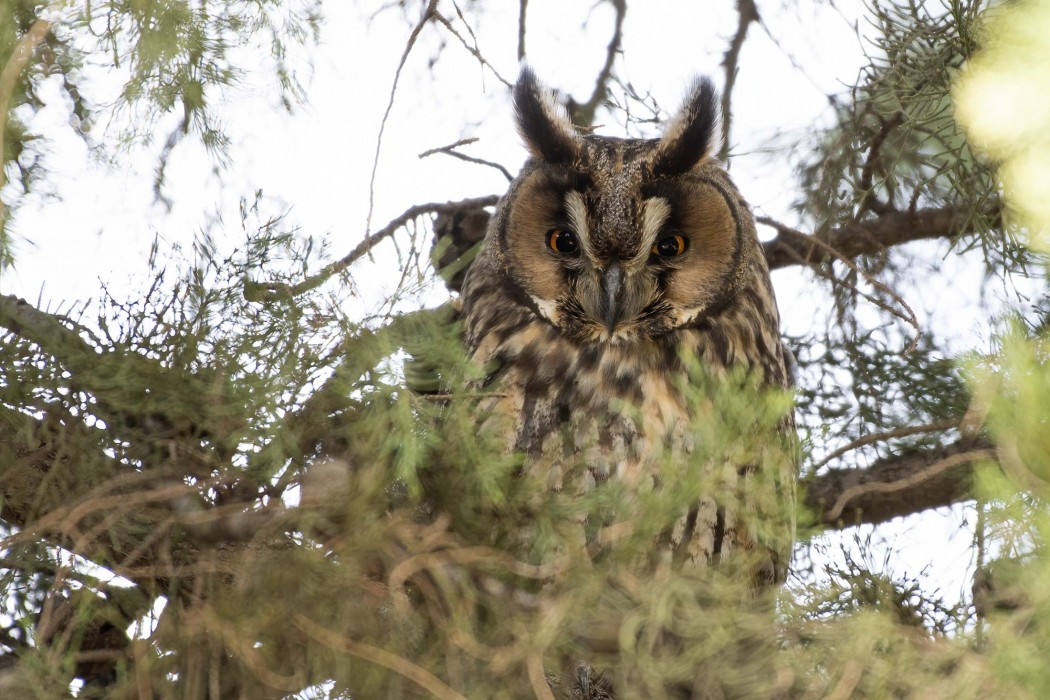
point(610, 407)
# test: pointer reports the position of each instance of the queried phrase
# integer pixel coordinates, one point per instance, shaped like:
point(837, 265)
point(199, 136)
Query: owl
point(609, 268)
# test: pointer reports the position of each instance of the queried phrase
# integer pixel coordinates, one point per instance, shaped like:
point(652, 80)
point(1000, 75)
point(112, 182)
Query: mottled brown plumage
point(608, 265)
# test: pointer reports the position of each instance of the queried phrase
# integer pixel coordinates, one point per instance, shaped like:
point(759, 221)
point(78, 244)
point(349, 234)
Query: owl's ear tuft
point(692, 134)
point(542, 123)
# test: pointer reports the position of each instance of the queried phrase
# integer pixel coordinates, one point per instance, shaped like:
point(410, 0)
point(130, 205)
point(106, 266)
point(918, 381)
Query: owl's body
point(609, 269)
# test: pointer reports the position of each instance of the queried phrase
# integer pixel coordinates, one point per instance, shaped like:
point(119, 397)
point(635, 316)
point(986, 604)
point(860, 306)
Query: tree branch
point(450, 150)
point(428, 14)
point(523, 6)
point(790, 247)
point(583, 114)
point(747, 13)
point(255, 291)
point(896, 486)
point(867, 237)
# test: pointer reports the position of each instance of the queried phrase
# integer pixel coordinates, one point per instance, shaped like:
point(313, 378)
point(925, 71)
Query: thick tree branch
point(867, 237)
point(896, 486)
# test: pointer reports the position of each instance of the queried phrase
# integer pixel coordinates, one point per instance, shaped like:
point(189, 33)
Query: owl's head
point(614, 239)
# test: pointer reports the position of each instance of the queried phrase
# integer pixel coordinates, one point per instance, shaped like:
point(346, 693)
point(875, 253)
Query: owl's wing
point(457, 240)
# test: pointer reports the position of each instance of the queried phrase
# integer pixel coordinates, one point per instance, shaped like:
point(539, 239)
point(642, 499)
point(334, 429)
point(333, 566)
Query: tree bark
point(896, 486)
point(868, 237)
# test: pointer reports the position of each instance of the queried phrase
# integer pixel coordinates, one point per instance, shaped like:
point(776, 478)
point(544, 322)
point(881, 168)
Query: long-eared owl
point(610, 266)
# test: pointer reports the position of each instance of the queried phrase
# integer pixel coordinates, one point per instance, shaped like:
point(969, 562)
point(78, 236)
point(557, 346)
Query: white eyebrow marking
point(655, 212)
point(577, 211)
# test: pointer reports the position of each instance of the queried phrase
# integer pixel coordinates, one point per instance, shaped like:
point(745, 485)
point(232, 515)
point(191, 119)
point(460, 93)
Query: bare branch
point(747, 13)
point(428, 14)
point(792, 247)
point(888, 435)
point(474, 51)
point(260, 292)
point(522, 9)
point(583, 114)
point(450, 150)
point(896, 486)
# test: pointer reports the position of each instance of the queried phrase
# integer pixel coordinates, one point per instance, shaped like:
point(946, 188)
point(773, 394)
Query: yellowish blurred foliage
point(1003, 102)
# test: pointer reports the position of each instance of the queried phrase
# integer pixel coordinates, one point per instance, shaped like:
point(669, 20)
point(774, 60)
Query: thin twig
point(463, 19)
point(450, 150)
point(428, 14)
point(869, 201)
point(799, 68)
point(398, 664)
point(260, 292)
point(747, 13)
point(908, 317)
point(888, 435)
point(440, 149)
point(583, 115)
point(474, 51)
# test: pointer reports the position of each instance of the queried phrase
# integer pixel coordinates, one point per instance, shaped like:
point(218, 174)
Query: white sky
point(317, 163)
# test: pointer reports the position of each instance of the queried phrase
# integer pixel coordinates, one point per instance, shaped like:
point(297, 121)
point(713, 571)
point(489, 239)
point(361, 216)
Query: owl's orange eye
point(563, 241)
point(670, 246)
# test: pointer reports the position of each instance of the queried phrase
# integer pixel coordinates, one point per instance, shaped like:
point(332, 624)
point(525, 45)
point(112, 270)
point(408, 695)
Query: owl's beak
point(612, 286)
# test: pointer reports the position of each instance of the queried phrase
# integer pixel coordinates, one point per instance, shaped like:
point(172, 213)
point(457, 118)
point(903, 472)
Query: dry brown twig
point(398, 664)
point(428, 14)
point(908, 315)
point(450, 150)
point(887, 435)
point(261, 292)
